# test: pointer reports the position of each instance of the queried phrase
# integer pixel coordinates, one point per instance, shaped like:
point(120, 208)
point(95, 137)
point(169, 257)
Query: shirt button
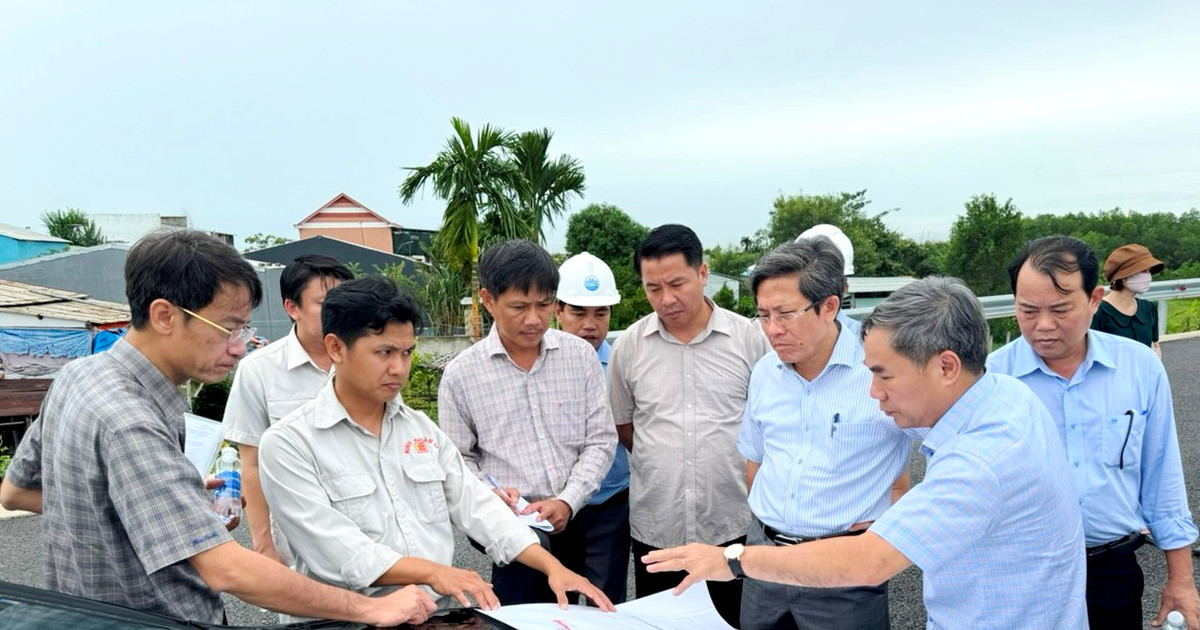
point(1077, 464)
point(1072, 427)
point(689, 406)
point(687, 376)
point(689, 434)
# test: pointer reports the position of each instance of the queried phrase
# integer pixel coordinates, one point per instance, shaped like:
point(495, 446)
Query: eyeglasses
point(243, 334)
point(783, 318)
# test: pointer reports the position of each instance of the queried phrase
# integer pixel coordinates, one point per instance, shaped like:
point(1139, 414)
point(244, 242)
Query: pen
point(492, 480)
point(837, 417)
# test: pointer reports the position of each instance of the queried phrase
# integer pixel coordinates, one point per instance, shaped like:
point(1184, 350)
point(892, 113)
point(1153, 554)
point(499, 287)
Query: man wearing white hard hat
point(587, 292)
point(842, 242)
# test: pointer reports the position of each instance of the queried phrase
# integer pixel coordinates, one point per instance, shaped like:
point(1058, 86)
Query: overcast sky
point(250, 115)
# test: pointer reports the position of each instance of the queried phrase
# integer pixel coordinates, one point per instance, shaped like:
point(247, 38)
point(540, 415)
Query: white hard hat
point(584, 280)
point(839, 238)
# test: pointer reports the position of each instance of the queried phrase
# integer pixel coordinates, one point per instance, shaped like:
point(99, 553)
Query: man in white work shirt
point(273, 381)
point(366, 489)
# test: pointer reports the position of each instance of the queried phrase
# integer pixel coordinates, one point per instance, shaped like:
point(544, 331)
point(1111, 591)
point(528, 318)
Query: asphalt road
point(22, 551)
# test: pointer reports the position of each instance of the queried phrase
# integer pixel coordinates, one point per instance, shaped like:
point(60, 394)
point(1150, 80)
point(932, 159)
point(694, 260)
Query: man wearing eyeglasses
point(822, 460)
point(127, 519)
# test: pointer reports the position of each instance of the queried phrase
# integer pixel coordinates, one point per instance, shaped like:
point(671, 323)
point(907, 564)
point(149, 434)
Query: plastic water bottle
point(1174, 621)
point(227, 498)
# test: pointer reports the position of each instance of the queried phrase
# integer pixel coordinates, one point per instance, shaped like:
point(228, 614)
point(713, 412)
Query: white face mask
point(1138, 283)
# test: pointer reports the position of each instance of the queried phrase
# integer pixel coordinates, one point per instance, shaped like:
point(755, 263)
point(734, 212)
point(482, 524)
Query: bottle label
point(232, 487)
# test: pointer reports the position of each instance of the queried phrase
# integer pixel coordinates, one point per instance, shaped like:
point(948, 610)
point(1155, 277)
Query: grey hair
point(816, 260)
point(933, 315)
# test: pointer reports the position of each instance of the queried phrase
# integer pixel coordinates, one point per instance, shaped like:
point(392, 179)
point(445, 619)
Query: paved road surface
point(21, 549)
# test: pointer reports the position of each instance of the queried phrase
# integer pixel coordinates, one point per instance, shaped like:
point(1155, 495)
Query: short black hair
point(668, 239)
point(1052, 255)
point(517, 264)
point(304, 268)
point(356, 307)
point(185, 267)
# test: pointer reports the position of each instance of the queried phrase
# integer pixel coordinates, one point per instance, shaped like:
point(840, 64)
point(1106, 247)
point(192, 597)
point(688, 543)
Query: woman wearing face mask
point(1128, 270)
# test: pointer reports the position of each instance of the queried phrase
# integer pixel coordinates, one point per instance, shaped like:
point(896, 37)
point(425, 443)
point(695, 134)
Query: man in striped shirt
point(994, 525)
point(822, 460)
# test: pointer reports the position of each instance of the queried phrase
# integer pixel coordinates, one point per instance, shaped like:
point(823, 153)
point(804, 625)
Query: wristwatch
point(733, 557)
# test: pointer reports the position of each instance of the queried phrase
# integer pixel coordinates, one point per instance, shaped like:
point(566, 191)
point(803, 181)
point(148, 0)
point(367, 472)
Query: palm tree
point(473, 176)
point(73, 225)
point(546, 186)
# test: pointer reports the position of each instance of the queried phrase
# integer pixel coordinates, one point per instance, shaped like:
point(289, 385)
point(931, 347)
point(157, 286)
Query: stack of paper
point(661, 611)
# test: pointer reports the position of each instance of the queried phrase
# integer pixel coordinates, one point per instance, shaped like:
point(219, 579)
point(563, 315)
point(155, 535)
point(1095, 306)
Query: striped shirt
point(547, 432)
point(829, 456)
point(685, 401)
point(123, 507)
point(994, 525)
point(1117, 423)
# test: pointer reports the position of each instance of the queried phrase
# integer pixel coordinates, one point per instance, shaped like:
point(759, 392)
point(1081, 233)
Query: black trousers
point(770, 606)
point(1115, 584)
point(726, 596)
point(594, 544)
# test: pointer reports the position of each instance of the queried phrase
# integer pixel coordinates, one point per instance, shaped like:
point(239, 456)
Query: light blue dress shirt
point(994, 525)
point(1117, 422)
point(829, 456)
point(850, 323)
point(618, 476)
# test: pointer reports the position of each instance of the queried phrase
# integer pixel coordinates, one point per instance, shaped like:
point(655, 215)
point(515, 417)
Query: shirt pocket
point(568, 426)
point(858, 443)
point(1122, 439)
point(429, 481)
point(352, 495)
point(279, 407)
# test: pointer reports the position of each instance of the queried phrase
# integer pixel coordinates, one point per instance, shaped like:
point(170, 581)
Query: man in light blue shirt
point(821, 458)
point(587, 292)
point(1111, 404)
point(994, 525)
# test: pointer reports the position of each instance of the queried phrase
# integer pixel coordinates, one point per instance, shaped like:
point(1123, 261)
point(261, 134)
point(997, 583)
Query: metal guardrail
point(997, 306)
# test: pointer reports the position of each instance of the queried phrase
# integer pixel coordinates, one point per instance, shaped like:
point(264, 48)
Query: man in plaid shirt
point(528, 409)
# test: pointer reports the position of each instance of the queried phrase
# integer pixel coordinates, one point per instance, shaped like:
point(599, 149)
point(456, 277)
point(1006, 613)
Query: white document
point(661, 611)
point(202, 442)
point(531, 518)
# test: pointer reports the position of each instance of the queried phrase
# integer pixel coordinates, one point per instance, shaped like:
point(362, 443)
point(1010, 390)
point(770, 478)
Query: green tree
point(474, 176)
point(609, 234)
point(982, 242)
point(725, 299)
point(606, 232)
point(546, 186)
point(878, 249)
point(73, 225)
point(259, 240)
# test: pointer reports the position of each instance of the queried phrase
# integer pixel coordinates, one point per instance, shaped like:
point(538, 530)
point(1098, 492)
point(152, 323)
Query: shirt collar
point(294, 354)
point(847, 351)
point(330, 410)
point(1026, 361)
point(166, 395)
point(717, 322)
point(494, 347)
point(954, 421)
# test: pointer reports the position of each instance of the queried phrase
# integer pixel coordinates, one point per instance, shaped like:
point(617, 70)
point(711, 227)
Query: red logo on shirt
point(419, 445)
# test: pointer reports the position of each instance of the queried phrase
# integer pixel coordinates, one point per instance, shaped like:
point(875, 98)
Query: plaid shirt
point(547, 432)
point(123, 508)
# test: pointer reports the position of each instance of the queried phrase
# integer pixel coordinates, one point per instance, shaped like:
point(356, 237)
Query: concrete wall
point(12, 250)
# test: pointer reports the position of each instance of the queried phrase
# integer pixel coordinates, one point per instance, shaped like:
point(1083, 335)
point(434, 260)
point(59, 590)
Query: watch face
point(733, 552)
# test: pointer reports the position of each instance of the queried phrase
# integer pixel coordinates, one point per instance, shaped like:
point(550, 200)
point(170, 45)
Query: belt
point(1125, 544)
point(780, 538)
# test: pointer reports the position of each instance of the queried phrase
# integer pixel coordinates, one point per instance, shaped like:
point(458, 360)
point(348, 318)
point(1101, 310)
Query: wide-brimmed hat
point(1128, 260)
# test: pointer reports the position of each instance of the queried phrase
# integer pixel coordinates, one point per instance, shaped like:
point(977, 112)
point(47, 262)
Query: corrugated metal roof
point(21, 234)
point(31, 299)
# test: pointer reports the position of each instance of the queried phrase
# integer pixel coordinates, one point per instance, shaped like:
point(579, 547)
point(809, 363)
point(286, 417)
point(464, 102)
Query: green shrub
point(5, 458)
point(421, 391)
point(210, 400)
